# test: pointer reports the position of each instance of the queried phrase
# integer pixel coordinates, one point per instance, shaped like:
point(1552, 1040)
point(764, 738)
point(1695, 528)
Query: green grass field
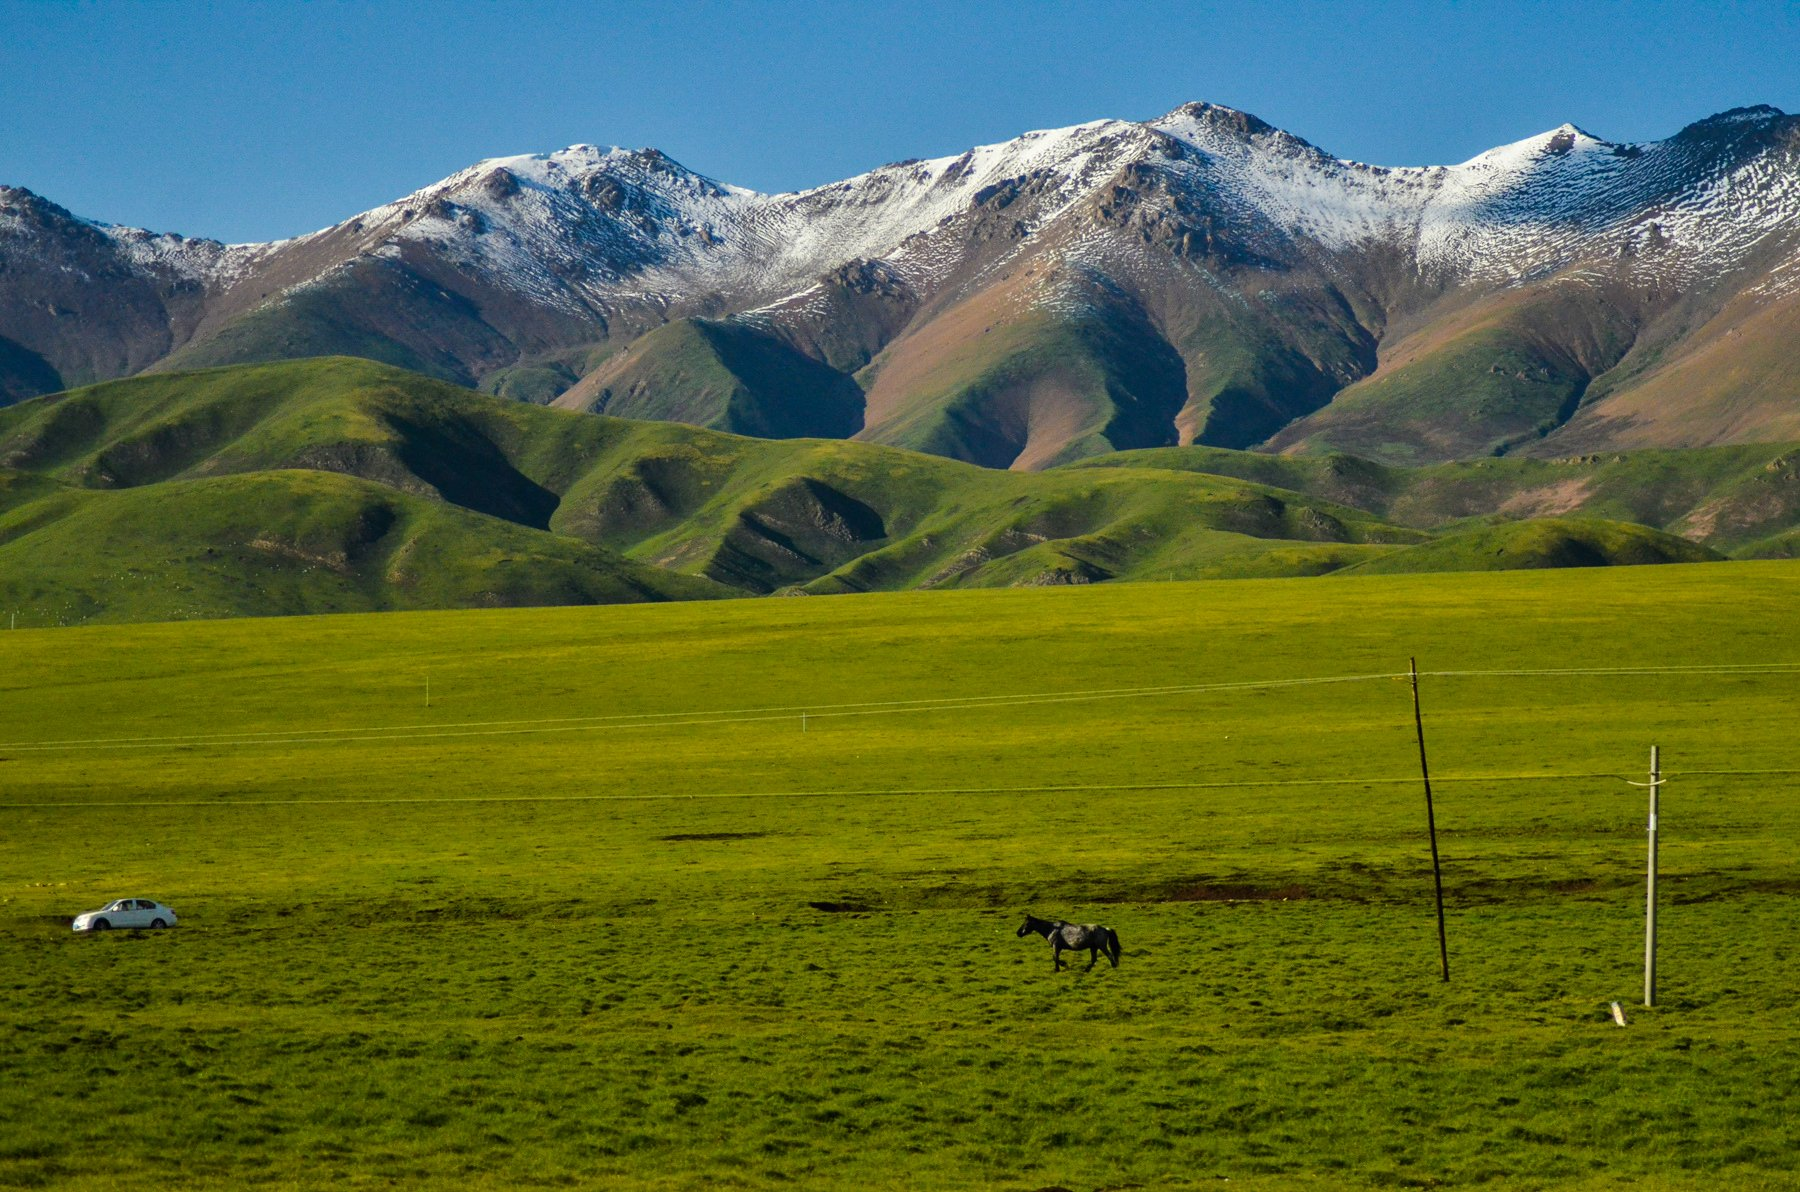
point(724, 893)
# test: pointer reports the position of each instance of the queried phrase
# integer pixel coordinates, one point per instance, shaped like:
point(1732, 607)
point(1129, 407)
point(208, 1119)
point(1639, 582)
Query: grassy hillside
point(611, 912)
point(1728, 498)
point(1545, 542)
point(290, 542)
point(329, 320)
point(128, 479)
point(844, 516)
point(1504, 373)
point(1028, 388)
point(1730, 378)
point(753, 514)
point(726, 376)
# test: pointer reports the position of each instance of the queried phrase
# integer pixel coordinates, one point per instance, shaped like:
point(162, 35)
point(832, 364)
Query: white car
point(127, 912)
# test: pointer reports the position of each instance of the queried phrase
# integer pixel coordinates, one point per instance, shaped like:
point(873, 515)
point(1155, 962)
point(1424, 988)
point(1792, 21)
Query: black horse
point(1091, 936)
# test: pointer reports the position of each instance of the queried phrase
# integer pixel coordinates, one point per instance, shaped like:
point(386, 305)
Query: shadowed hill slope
point(726, 376)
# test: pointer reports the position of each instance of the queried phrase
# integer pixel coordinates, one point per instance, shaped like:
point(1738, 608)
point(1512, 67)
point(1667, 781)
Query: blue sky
point(257, 120)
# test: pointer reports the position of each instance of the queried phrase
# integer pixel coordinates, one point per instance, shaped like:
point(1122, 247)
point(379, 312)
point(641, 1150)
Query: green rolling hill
point(337, 484)
point(1740, 500)
point(725, 376)
point(295, 541)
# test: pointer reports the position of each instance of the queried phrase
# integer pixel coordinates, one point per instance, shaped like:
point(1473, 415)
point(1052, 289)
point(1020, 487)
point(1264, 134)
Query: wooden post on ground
point(1437, 870)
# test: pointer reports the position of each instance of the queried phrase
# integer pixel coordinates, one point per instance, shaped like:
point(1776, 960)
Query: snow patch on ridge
point(589, 229)
point(200, 261)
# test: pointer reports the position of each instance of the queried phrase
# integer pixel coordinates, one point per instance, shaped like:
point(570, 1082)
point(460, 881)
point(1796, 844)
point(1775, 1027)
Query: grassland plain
point(723, 894)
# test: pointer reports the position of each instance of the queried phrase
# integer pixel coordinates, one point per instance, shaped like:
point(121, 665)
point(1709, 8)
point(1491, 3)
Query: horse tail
point(1112, 946)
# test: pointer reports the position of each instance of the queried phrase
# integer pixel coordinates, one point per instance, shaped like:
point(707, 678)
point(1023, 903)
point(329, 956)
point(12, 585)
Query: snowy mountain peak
point(1216, 129)
point(1761, 113)
point(1536, 151)
point(604, 241)
point(18, 203)
point(576, 166)
point(588, 227)
point(1218, 118)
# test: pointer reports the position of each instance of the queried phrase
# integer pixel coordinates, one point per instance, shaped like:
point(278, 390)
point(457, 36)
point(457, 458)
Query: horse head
point(1032, 923)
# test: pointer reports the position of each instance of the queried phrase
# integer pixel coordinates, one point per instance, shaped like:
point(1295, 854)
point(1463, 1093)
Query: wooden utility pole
point(1437, 869)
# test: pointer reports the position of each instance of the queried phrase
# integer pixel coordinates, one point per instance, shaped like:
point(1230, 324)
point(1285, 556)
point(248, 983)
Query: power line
point(1747, 668)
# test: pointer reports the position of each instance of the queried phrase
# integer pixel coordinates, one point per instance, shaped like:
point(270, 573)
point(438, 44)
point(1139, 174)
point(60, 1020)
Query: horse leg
point(1057, 957)
point(1093, 955)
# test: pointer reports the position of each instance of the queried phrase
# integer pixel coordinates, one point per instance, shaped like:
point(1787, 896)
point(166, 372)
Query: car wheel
point(157, 925)
point(101, 925)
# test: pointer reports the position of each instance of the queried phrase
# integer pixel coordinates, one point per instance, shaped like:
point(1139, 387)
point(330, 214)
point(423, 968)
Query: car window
point(144, 904)
point(124, 904)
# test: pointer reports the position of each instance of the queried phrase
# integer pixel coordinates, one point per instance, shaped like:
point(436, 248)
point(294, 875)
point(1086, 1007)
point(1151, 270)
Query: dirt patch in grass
point(841, 908)
point(1550, 500)
point(1688, 889)
point(1496, 891)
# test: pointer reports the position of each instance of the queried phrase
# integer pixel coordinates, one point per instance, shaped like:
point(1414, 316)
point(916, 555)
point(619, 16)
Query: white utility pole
point(1655, 785)
point(1650, 885)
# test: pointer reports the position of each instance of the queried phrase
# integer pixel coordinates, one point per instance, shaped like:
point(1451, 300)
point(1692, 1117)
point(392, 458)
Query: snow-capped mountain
point(1200, 277)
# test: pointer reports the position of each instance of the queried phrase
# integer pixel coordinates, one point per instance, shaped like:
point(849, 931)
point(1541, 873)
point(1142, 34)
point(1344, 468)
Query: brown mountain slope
point(1479, 380)
point(1734, 380)
point(1197, 278)
point(1001, 381)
